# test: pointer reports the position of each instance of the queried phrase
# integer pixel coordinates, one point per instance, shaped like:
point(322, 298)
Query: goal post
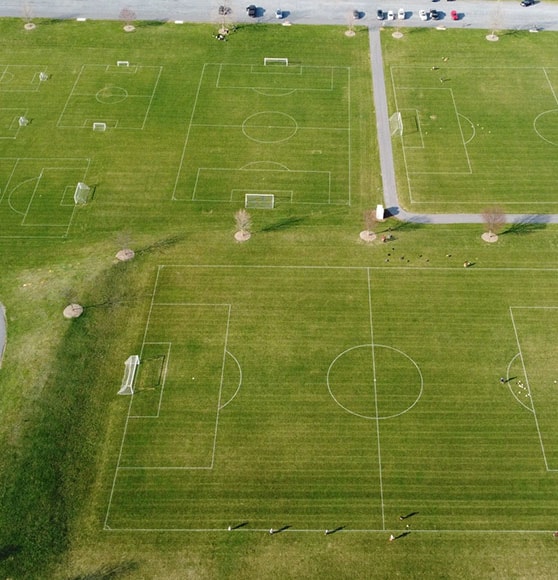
point(81, 193)
point(130, 368)
point(396, 124)
point(273, 60)
point(259, 200)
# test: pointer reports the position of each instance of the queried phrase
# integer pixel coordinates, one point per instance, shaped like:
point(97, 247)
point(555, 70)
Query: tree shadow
point(527, 225)
point(109, 571)
point(9, 551)
point(283, 224)
point(161, 244)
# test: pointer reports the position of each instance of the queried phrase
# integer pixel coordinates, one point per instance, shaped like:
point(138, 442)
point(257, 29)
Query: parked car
point(279, 14)
point(527, 2)
point(380, 14)
point(401, 14)
point(454, 15)
point(434, 14)
point(252, 11)
point(423, 15)
point(356, 15)
point(391, 15)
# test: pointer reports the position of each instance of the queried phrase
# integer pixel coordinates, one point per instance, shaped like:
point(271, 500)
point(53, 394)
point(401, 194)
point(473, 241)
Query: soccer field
point(478, 128)
point(302, 381)
point(322, 397)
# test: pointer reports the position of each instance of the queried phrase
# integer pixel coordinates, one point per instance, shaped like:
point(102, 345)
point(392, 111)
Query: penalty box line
point(529, 389)
point(129, 416)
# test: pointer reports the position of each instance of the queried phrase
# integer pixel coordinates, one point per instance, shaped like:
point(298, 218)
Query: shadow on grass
point(527, 225)
point(9, 551)
point(47, 477)
point(283, 224)
point(109, 571)
point(161, 244)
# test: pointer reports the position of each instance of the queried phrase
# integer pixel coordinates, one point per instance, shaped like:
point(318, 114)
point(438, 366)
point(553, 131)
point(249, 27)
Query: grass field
point(479, 121)
point(299, 382)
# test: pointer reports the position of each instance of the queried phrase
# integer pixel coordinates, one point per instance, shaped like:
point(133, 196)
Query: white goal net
point(396, 124)
point(259, 200)
point(130, 368)
point(81, 194)
point(276, 61)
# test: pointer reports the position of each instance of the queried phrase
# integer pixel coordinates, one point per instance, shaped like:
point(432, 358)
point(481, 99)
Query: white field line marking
point(32, 197)
point(239, 380)
point(376, 400)
point(164, 379)
point(154, 89)
point(321, 530)
point(59, 122)
point(187, 138)
point(530, 409)
point(130, 404)
point(16, 161)
point(529, 389)
point(550, 85)
point(403, 151)
point(461, 131)
point(349, 132)
point(217, 86)
point(421, 268)
point(118, 462)
point(221, 387)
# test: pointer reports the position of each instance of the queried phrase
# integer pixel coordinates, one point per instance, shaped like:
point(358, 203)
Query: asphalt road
point(506, 14)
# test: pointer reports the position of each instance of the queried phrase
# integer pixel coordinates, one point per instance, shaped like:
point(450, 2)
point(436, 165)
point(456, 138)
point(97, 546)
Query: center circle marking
point(382, 383)
point(110, 95)
point(269, 127)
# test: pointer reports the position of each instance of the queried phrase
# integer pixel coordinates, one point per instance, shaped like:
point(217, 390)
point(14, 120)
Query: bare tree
point(243, 225)
point(27, 12)
point(127, 15)
point(243, 221)
point(496, 22)
point(370, 220)
point(494, 219)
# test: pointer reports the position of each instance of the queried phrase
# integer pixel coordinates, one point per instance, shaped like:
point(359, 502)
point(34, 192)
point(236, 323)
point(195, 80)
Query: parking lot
point(508, 14)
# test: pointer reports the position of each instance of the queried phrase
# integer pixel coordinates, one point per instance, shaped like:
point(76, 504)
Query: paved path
point(502, 15)
point(391, 202)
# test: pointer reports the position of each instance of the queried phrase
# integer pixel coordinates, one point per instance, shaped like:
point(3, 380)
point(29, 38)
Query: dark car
point(527, 2)
point(356, 15)
point(252, 11)
point(380, 14)
point(434, 14)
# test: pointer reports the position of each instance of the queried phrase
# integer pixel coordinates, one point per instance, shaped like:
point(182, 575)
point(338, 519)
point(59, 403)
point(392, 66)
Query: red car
point(454, 15)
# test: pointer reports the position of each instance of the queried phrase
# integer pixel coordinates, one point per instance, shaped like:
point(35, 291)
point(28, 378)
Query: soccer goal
point(276, 61)
point(259, 200)
point(396, 124)
point(130, 368)
point(81, 194)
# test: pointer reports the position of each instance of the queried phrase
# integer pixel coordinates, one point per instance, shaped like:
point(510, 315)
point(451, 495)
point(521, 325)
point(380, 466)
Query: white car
point(423, 15)
point(401, 14)
point(391, 15)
